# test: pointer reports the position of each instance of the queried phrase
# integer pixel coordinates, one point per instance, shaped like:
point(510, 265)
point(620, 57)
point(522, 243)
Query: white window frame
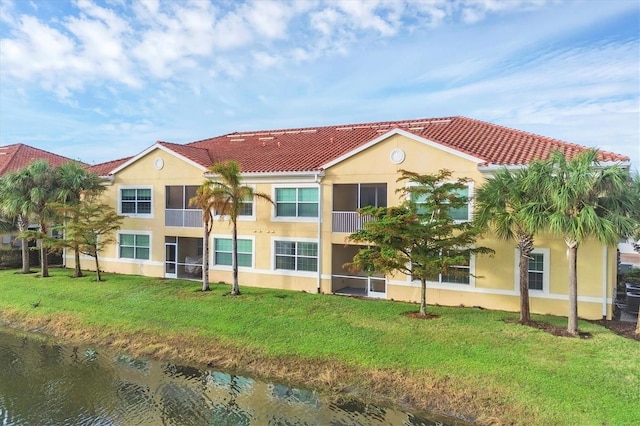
point(242, 217)
point(546, 265)
point(446, 284)
point(289, 271)
point(228, 237)
point(470, 203)
point(274, 209)
point(136, 215)
point(133, 259)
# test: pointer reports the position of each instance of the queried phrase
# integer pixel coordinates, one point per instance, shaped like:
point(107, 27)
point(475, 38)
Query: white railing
point(183, 217)
point(348, 221)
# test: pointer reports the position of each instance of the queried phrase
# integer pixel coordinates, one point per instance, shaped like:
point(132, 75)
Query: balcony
point(347, 222)
point(348, 198)
point(186, 218)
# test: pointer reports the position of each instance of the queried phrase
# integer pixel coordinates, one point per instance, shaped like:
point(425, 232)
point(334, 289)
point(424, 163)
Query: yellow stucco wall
point(495, 284)
point(144, 172)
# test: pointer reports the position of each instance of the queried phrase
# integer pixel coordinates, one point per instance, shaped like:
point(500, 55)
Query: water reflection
point(42, 383)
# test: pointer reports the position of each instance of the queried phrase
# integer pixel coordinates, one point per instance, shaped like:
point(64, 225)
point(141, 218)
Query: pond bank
point(336, 380)
point(476, 365)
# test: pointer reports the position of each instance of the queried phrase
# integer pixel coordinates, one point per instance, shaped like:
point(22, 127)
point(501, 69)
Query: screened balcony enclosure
point(349, 283)
point(183, 257)
point(348, 198)
point(178, 212)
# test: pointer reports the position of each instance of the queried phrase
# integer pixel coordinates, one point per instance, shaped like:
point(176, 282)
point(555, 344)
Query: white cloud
point(269, 18)
point(189, 69)
point(265, 60)
point(370, 14)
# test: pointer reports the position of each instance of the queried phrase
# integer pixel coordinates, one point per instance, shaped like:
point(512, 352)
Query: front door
point(171, 260)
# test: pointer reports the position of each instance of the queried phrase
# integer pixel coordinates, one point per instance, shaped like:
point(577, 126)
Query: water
point(45, 383)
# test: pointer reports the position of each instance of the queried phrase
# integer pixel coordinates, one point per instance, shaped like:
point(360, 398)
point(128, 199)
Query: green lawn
point(507, 372)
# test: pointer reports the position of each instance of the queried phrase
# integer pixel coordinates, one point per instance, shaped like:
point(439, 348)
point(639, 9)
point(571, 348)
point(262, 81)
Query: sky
point(101, 80)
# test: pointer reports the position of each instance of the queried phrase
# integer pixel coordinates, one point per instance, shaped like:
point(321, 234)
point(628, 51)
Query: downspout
point(605, 273)
point(317, 180)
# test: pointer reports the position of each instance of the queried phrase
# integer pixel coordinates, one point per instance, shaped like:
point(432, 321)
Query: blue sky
point(100, 80)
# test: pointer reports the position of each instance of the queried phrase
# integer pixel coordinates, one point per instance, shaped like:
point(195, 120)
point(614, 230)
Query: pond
point(45, 383)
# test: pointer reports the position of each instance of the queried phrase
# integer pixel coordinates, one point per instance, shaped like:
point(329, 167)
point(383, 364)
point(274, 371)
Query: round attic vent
point(159, 163)
point(397, 156)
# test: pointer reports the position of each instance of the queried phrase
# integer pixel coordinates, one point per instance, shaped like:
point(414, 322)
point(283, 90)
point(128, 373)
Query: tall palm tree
point(635, 214)
point(206, 200)
point(74, 183)
point(42, 193)
point(585, 200)
point(510, 205)
point(230, 194)
point(15, 188)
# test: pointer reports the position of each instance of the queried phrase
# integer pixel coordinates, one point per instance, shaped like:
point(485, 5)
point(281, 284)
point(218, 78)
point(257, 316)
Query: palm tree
point(510, 205)
point(7, 224)
point(205, 199)
point(41, 194)
point(635, 214)
point(15, 188)
point(74, 183)
point(230, 194)
point(585, 201)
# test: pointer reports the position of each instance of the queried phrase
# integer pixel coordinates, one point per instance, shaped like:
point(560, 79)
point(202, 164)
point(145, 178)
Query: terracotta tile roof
point(307, 149)
point(104, 169)
point(193, 153)
point(18, 156)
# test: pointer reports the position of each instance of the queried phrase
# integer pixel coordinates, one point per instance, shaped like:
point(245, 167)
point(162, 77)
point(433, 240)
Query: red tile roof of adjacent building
point(309, 149)
point(18, 156)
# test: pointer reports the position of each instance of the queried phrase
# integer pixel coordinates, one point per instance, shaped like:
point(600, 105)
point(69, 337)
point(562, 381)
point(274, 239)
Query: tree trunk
point(525, 312)
point(205, 258)
point(24, 245)
point(572, 256)
point(77, 272)
point(423, 296)
point(98, 276)
point(235, 290)
point(525, 246)
point(44, 264)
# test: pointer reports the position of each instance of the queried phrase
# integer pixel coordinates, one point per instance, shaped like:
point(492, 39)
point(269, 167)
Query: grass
point(469, 363)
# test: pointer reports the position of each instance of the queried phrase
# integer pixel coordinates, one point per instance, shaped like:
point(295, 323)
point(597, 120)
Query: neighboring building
point(16, 157)
point(629, 256)
point(318, 178)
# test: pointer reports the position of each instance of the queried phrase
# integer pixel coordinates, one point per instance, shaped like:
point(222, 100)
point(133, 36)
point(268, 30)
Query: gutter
point(317, 180)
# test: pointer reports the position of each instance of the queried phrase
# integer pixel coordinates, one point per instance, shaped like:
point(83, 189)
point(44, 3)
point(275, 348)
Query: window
point(536, 271)
point(246, 208)
point(352, 196)
point(178, 196)
point(135, 201)
point(223, 253)
point(134, 246)
point(296, 202)
point(456, 274)
point(538, 268)
point(459, 214)
point(296, 256)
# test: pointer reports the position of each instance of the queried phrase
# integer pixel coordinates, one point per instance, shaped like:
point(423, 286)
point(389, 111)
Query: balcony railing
point(182, 217)
point(348, 221)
